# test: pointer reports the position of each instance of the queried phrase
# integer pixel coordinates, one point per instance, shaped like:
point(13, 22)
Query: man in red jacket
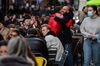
point(65, 35)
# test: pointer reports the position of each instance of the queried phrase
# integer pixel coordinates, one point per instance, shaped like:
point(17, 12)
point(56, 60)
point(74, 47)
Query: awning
point(93, 2)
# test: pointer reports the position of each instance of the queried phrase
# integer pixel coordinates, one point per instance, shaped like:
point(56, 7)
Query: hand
point(91, 36)
point(59, 15)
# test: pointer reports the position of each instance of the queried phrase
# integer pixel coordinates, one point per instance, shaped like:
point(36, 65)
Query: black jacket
point(65, 34)
point(14, 61)
point(38, 45)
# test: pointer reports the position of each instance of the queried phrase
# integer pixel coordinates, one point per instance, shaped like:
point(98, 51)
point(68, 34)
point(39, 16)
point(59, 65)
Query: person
point(98, 10)
point(52, 41)
point(8, 19)
point(17, 46)
point(90, 29)
point(17, 61)
point(65, 35)
point(3, 30)
point(3, 48)
point(26, 24)
point(83, 14)
point(37, 43)
point(35, 23)
point(14, 33)
point(11, 27)
point(10, 60)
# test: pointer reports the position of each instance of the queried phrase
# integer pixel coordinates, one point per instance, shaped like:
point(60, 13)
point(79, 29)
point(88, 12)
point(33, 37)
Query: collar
point(94, 17)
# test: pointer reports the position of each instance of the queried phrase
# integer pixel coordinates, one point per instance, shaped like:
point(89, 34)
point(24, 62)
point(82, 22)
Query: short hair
point(11, 26)
point(47, 26)
point(3, 43)
point(17, 31)
point(32, 31)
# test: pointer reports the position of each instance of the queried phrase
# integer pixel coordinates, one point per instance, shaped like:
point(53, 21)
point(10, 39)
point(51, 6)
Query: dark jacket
point(65, 34)
point(38, 45)
point(14, 61)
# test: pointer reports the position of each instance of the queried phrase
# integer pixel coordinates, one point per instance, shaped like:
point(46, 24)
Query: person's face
point(90, 9)
point(14, 34)
point(27, 22)
point(64, 9)
point(10, 30)
point(33, 20)
point(45, 31)
point(3, 50)
point(6, 18)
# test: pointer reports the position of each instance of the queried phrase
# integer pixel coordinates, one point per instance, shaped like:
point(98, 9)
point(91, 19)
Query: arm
point(51, 41)
point(65, 18)
point(81, 16)
point(83, 30)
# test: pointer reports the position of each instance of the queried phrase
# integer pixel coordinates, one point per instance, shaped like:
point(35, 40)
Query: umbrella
point(93, 2)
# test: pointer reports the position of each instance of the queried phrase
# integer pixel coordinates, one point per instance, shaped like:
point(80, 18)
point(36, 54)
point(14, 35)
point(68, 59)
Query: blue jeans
point(69, 59)
point(91, 51)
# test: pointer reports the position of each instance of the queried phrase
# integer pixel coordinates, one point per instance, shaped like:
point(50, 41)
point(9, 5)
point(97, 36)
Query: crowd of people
point(24, 37)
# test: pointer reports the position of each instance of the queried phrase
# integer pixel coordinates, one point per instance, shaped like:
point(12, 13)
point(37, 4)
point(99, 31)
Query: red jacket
point(56, 26)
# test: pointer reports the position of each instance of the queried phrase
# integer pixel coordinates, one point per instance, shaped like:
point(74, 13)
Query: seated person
point(52, 41)
point(3, 48)
point(18, 47)
point(19, 53)
point(17, 61)
point(37, 44)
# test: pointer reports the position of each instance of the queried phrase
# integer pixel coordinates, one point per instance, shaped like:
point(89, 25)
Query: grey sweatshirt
point(90, 25)
point(54, 42)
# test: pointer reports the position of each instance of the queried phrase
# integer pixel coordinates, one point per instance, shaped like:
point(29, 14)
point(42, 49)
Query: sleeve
point(60, 50)
point(51, 41)
point(63, 20)
point(83, 30)
point(48, 41)
point(81, 16)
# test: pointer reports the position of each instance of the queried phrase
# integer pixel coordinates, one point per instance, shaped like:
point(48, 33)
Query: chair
point(78, 40)
point(52, 56)
point(41, 61)
point(38, 54)
point(63, 59)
